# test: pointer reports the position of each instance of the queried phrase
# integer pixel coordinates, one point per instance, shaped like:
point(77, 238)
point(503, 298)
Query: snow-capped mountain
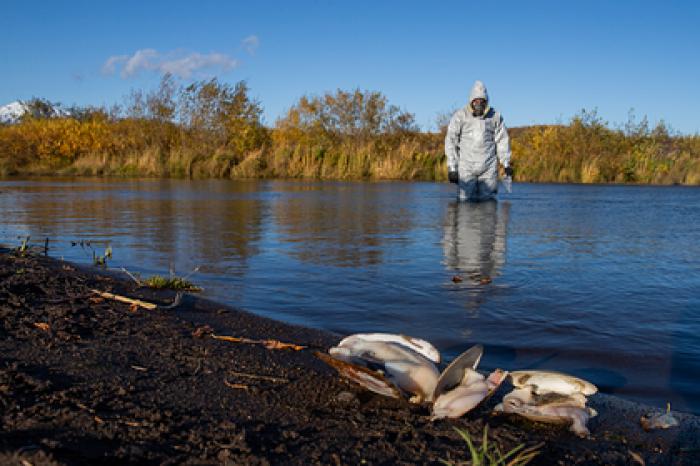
point(12, 112)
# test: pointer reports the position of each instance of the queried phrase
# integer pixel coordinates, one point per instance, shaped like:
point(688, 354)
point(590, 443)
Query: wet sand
point(86, 380)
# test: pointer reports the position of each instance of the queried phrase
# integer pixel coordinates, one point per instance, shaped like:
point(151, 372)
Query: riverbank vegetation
point(214, 129)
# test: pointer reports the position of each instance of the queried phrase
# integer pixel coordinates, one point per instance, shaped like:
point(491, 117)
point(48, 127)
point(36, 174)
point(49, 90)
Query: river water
point(599, 281)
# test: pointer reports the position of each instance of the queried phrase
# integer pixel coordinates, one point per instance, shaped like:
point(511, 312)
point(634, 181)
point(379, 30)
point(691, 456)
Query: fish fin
point(423, 347)
point(362, 376)
point(454, 373)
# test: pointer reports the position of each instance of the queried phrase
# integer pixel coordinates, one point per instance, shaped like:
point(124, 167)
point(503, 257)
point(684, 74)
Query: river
point(599, 281)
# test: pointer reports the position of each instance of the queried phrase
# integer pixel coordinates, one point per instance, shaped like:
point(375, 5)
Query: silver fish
point(408, 364)
point(371, 380)
point(453, 374)
point(469, 394)
point(550, 381)
point(554, 408)
point(659, 421)
point(409, 370)
point(416, 344)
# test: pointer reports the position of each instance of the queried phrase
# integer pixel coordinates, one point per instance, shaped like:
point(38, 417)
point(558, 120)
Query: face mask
point(478, 107)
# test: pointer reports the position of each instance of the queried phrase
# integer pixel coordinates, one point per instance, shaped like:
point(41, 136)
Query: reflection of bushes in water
point(213, 129)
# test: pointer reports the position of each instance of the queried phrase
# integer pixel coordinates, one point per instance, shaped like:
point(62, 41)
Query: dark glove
point(452, 176)
point(508, 171)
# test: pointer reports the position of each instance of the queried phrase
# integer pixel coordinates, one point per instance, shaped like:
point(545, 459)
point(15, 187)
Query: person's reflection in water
point(475, 239)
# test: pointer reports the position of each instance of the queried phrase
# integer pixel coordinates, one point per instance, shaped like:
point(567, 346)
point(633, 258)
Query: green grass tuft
point(491, 454)
point(159, 282)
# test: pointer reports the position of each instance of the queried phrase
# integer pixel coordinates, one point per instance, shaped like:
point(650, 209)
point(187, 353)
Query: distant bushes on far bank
point(588, 151)
point(214, 129)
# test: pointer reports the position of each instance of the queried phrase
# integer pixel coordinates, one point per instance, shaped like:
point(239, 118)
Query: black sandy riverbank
point(87, 381)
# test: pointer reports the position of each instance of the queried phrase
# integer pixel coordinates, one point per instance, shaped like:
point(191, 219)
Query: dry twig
point(124, 299)
point(269, 344)
point(238, 386)
point(260, 377)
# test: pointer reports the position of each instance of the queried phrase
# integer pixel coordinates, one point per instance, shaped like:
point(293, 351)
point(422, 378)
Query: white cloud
point(186, 66)
point(251, 44)
point(110, 65)
point(143, 59)
point(178, 63)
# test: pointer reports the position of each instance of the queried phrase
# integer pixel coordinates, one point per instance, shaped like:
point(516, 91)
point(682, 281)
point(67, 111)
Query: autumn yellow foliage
point(211, 129)
point(588, 151)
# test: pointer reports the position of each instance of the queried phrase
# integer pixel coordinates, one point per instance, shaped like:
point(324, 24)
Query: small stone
point(223, 455)
point(135, 451)
point(50, 443)
point(280, 449)
point(345, 397)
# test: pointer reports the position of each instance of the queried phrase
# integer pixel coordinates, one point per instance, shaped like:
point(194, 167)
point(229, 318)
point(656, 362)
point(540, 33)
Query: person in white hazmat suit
point(477, 139)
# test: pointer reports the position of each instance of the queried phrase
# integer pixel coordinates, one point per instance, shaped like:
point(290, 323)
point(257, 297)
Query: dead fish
point(659, 421)
point(407, 364)
point(575, 417)
point(407, 369)
point(550, 381)
point(416, 344)
point(470, 393)
point(371, 380)
point(455, 372)
point(525, 395)
point(416, 379)
point(553, 408)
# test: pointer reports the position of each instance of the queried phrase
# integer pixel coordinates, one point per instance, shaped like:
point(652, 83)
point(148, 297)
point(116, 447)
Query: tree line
point(214, 129)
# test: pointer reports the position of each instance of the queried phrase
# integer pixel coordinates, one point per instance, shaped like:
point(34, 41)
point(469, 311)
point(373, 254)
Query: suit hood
point(478, 92)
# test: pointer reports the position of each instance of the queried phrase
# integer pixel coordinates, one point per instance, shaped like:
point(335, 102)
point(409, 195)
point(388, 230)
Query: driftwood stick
point(124, 299)
point(238, 386)
point(269, 344)
point(234, 339)
point(256, 376)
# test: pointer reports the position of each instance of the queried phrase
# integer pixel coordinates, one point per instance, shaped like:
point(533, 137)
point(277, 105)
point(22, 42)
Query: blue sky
point(541, 61)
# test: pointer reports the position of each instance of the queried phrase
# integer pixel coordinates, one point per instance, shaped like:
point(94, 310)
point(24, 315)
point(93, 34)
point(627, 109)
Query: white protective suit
point(474, 145)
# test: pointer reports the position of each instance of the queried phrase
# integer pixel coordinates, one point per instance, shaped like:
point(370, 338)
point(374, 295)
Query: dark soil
point(101, 383)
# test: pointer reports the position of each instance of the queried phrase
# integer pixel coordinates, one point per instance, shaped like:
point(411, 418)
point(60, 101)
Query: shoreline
point(83, 379)
point(42, 175)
